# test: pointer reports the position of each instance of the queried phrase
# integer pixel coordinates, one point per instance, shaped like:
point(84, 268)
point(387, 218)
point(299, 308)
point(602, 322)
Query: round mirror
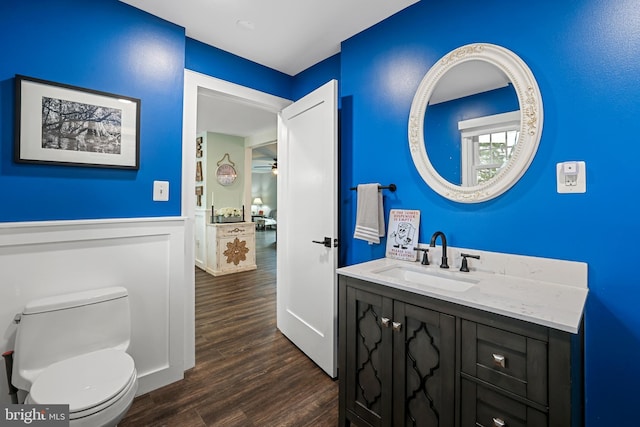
point(475, 123)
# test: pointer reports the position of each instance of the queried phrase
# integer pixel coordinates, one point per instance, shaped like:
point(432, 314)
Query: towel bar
point(390, 187)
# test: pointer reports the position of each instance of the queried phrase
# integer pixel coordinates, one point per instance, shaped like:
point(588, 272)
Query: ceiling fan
point(265, 166)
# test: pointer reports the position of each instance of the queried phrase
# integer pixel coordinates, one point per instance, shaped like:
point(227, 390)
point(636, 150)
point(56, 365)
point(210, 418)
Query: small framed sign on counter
point(403, 234)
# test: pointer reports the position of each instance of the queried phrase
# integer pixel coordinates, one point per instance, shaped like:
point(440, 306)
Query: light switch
point(160, 191)
point(571, 177)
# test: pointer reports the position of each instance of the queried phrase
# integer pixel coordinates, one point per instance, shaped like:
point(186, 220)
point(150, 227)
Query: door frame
point(194, 82)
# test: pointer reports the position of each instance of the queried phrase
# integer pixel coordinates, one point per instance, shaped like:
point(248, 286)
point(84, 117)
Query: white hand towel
point(370, 214)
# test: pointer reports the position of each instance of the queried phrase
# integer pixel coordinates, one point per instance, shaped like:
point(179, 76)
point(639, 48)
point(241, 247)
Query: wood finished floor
point(247, 373)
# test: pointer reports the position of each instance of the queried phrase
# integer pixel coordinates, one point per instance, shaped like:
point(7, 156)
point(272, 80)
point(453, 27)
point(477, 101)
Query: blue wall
point(315, 76)
point(584, 55)
point(103, 45)
point(223, 65)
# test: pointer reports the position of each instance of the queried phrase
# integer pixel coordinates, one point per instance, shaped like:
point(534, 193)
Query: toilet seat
point(88, 383)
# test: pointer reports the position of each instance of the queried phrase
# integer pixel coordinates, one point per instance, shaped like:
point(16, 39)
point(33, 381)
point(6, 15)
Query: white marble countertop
point(539, 290)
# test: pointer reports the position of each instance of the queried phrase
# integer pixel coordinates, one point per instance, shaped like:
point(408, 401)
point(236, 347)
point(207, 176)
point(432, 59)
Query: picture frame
point(199, 176)
point(199, 193)
point(60, 124)
point(199, 147)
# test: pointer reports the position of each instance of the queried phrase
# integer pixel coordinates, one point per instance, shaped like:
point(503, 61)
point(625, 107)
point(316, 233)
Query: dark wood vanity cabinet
point(410, 360)
point(400, 361)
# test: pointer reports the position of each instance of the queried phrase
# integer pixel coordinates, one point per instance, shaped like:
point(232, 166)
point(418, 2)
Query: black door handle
point(327, 242)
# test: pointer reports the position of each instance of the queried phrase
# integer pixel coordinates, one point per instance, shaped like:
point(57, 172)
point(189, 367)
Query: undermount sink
point(429, 278)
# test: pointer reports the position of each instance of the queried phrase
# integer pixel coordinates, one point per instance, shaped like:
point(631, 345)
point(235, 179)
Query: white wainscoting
point(200, 238)
point(145, 255)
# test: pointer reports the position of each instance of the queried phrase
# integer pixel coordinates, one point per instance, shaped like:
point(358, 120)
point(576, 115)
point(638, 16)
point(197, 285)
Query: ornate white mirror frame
point(531, 114)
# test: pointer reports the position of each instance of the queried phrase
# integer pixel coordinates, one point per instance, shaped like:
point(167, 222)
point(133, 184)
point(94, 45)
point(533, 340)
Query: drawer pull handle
point(499, 360)
point(397, 326)
point(497, 422)
point(385, 321)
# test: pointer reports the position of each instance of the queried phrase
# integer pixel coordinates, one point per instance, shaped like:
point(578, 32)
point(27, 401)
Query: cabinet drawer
point(234, 230)
point(508, 360)
point(485, 408)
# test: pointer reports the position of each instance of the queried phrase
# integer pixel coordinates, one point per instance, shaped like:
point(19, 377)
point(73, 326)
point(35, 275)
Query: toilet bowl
point(99, 387)
point(71, 350)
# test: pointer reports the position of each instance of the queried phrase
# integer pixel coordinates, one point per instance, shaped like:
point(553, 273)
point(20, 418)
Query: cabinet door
point(424, 367)
point(368, 357)
point(236, 253)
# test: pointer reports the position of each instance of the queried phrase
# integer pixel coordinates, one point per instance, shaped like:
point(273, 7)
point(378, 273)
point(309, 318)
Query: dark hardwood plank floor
point(247, 373)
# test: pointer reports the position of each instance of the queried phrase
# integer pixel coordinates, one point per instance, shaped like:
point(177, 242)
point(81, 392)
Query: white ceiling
point(286, 35)
point(289, 36)
point(222, 114)
point(225, 115)
point(468, 78)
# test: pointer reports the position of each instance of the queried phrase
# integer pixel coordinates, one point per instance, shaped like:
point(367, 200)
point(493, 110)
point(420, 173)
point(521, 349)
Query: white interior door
point(307, 212)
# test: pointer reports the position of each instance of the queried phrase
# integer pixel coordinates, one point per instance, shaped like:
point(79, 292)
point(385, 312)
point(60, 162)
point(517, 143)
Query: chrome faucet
point(443, 238)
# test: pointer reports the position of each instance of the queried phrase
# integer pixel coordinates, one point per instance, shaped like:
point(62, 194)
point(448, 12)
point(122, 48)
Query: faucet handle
point(465, 266)
point(425, 255)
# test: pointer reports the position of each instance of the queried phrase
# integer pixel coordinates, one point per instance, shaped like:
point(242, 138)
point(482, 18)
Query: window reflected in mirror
point(473, 114)
point(487, 144)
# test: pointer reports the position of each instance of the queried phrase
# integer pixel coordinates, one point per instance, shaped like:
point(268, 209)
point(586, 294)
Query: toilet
point(72, 349)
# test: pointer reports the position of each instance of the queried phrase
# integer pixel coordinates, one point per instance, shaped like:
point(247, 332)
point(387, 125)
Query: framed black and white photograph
point(69, 125)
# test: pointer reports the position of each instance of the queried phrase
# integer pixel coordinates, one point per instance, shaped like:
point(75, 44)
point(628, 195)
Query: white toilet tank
point(59, 327)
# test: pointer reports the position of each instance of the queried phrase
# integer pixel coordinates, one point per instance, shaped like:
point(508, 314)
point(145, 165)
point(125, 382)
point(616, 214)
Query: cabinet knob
point(397, 326)
point(385, 321)
point(499, 360)
point(497, 422)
